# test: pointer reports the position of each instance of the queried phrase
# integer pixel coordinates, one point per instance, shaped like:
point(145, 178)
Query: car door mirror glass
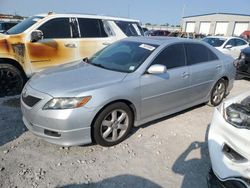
point(36, 35)
point(157, 69)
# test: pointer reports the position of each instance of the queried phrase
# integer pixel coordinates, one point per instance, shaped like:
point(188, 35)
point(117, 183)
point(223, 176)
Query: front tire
point(113, 124)
point(218, 93)
point(11, 80)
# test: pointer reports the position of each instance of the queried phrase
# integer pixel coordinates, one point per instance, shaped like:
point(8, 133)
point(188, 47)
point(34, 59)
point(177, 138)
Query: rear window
point(130, 28)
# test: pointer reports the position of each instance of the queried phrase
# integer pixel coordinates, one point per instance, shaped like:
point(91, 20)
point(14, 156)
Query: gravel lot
point(169, 152)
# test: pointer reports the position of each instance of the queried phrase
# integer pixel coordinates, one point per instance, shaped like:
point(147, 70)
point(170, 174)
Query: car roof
point(223, 37)
point(160, 40)
point(87, 16)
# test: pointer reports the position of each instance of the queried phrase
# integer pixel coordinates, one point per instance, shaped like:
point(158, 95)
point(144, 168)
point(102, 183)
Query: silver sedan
point(128, 83)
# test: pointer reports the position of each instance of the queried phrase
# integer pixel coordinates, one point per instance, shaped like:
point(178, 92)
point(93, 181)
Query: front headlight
point(238, 115)
point(66, 103)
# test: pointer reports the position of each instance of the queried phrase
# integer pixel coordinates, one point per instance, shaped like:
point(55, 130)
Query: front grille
point(30, 100)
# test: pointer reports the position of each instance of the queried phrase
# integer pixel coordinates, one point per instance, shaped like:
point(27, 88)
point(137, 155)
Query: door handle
point(106, 43)
point(185, 75)
point(70, 45)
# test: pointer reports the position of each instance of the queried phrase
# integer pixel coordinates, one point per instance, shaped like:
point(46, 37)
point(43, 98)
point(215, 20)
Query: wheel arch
point(15, 64)
point(127, 102)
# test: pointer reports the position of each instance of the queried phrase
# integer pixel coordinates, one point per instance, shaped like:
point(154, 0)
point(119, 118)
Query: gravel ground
point(169, 152)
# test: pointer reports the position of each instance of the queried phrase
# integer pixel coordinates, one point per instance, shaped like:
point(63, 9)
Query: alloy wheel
point(114, 125)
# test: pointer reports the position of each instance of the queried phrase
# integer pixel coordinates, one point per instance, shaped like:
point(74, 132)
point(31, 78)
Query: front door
point(56, 47)
point(168, 91)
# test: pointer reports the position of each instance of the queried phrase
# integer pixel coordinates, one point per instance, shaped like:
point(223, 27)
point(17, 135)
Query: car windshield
point(123, 56)
point(216, 42)
point(21, 27)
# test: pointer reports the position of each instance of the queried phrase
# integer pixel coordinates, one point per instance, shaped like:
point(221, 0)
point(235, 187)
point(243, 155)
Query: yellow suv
point(48, 40)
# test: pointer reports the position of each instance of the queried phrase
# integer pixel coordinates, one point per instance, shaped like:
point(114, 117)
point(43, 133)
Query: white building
point(217, 24)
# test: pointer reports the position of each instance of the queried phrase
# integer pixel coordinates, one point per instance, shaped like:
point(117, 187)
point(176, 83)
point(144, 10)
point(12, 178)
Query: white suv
point(47, 40)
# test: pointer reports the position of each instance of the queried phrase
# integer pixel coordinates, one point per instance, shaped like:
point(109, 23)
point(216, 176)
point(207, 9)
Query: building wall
point(214, 18)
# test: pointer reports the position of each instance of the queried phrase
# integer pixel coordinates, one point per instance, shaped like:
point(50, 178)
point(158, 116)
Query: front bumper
point(63, 127)
point(225, 165)
point(214, 182)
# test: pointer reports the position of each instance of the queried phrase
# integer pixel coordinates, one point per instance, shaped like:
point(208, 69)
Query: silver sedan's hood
point(72, 79)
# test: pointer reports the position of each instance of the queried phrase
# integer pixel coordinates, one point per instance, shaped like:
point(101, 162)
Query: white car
point(228, 45)
point(229, 141)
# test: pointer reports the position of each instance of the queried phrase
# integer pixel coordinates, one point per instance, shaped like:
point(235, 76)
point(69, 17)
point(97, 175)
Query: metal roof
point(233, 14)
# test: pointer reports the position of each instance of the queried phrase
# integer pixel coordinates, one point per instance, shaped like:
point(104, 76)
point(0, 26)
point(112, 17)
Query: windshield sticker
point(147, 47)
point(132, 68)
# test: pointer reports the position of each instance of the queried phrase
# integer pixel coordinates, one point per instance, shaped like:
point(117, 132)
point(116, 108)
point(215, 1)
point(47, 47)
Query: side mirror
point(228, 46)
point(36, 35)
point(157, 69)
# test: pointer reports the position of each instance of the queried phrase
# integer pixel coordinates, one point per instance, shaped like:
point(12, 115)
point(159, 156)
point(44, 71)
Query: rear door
point(95, 34)
point(205, 68)
point(56, 47)
point(168, 91)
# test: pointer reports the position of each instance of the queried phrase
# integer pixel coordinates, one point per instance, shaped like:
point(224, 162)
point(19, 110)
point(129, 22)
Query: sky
point(147, 11)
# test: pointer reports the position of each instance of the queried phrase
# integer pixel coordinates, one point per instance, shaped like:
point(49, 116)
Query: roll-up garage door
point(221, 28)
point(240, 27)
point(190, 27)
point(204, 28)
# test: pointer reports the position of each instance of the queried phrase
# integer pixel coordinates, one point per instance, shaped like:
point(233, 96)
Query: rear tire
point(11, 80)
point(113, 124)
point(218, 93)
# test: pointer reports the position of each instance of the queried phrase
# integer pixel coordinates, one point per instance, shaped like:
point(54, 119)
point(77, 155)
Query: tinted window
point(231, 42)
point(216, 42)
point(56, 28)
point(211, 55)
point(173, 56)
point(91, 28)
point(198, 53)
point(9, 25)
point(21, 27)
point(124, 56)
point(239, 42)
point(129, 28)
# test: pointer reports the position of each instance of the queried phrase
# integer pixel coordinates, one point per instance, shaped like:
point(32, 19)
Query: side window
point(172, 56)
point(198, 53)
point(231, 42)
point(211, 55)
point(107, 28)
point(239, 42)
point(56, 28)
point(129, 28)
point(91, 28)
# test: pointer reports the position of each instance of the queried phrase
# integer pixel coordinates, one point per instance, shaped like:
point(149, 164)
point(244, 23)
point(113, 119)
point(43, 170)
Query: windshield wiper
point(98, 65)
